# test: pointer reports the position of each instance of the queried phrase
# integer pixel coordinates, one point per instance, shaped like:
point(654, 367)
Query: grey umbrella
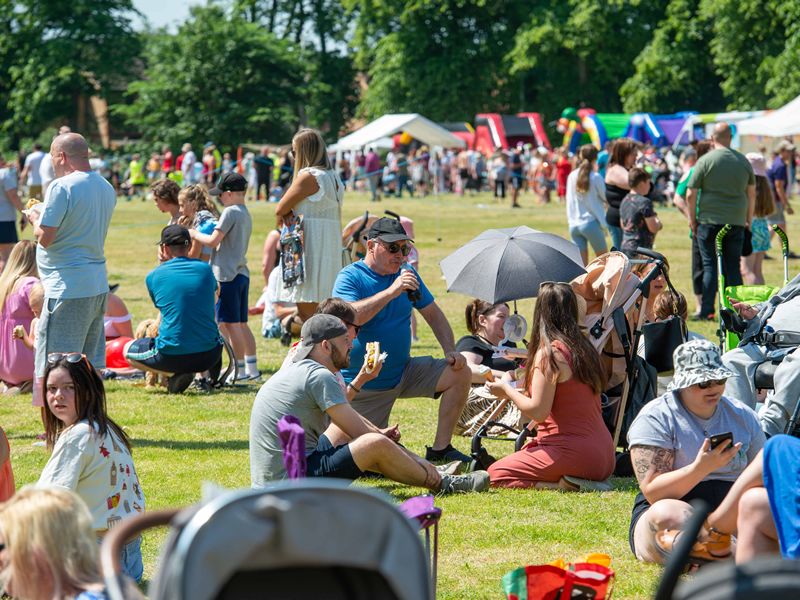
point(509, 264)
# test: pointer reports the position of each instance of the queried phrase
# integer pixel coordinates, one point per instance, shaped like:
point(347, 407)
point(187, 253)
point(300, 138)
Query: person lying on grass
point(561, 394)
point(691, 442)
point(350, 445)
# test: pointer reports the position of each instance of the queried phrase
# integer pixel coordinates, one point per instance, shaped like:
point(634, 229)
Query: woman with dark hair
point(622, 157)
point(561, 394)
point(165, 197)
point(485, 324)
point(316, 194)
point(91, 454)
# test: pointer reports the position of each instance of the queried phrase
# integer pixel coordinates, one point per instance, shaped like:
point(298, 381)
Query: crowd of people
point(354, 315)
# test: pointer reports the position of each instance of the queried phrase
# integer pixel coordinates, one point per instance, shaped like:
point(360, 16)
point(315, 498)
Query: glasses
point(70, 357)
point(704, 385)
point(394, 248)
point(355, 327)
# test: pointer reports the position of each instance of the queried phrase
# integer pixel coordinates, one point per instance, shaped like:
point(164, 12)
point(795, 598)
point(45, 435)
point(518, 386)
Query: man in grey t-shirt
point(350, 445)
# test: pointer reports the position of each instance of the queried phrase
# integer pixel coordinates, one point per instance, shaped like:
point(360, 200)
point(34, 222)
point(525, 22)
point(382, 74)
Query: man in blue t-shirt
point(184, 290)
point(384, 290)
point(779, 181)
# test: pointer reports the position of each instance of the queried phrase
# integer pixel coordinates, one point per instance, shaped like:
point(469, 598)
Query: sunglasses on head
point(704, 385)
point(394, 248)
point(70, 357)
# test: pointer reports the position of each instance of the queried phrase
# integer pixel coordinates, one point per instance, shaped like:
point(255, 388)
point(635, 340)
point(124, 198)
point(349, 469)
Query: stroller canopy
point(297, 539)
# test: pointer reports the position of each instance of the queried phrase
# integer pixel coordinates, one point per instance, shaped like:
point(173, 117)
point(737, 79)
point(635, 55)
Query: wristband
point(357, 390)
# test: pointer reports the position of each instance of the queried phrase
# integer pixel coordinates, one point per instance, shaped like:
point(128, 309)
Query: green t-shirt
point(680, 189)
point(723, 175)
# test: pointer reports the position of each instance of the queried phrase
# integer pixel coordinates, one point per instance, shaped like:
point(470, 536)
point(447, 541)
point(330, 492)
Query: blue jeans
point(616, 236)
point(589, 233)
point(731, 255)
point(131, 559)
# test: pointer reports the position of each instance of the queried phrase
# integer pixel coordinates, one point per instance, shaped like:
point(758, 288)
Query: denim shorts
point(232, 303)
point(328, 460)
point(130, 558)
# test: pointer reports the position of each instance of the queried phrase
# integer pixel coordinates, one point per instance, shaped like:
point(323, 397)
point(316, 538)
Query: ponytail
point(587, 155)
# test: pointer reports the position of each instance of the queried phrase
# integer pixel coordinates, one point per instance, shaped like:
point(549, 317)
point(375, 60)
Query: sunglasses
point(394, 248)
point(704, 385)
point(70, 357)
point(355, 327)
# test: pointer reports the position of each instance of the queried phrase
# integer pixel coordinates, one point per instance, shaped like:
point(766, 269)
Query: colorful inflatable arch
point(580, 127)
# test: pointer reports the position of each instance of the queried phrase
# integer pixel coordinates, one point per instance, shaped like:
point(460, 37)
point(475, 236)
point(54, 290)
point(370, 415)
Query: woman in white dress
point(316, 193)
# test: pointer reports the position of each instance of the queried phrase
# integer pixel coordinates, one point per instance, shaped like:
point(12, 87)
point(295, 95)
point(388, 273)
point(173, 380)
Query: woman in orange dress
point(563, 381)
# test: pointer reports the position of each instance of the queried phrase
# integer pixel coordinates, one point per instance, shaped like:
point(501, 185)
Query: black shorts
point(232, 303)
point(329, 461)
point(712, 492)
point(8, 232)
point(144, 352)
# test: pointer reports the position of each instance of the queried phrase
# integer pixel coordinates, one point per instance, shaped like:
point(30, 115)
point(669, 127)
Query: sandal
point(717, 546)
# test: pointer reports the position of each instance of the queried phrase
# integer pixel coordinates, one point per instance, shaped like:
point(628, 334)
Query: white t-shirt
point(100, 470)
point(46, 172)
point(32, 163)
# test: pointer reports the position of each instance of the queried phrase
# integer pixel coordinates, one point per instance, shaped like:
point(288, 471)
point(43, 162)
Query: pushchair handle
point(651, 254)
point(721, 236)
point(118, 537)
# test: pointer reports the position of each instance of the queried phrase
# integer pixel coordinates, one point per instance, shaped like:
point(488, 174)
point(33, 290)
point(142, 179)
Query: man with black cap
point(183, 289)
point(229, 242)
point(307, 389)
point(384, 289)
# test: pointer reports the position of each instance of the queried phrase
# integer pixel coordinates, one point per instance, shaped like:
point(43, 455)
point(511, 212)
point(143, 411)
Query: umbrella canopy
point(509, 264)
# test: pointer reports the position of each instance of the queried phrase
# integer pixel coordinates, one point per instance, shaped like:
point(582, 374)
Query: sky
point(162, 13)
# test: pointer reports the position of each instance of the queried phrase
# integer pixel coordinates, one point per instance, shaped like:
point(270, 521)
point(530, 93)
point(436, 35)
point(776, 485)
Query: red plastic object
point(115, 353)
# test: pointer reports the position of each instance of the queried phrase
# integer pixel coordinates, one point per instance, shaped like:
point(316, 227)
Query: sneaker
point(445, 455)
point(202, 384)
point(450, 468)
point(255, 377)
point(588, 485)
point(179, 382)
point(477, 481)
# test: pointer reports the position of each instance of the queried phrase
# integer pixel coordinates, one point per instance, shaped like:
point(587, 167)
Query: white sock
point(240, 366)
point(251, 364)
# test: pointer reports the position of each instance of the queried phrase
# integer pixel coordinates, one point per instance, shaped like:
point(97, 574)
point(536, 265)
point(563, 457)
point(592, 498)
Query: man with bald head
point(71, 229)
point(729, 195)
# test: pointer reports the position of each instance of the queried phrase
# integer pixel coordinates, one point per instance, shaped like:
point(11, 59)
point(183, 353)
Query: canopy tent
point(415, 125)
point(778, 123)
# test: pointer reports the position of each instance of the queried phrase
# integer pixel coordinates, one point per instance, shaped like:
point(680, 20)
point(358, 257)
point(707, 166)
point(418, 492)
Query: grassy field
point(182, 441)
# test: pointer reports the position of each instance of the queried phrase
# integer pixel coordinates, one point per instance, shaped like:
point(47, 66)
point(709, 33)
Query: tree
point(219, 78)
point(755, 46)
point(59, 53)
point(578, 52)
point(675, 71)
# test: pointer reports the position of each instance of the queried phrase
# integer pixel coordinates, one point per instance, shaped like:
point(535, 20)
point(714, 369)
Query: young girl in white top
point(586, 212)
point(91, 454)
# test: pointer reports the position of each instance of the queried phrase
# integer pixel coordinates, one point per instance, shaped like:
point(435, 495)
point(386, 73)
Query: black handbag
point(662, 337)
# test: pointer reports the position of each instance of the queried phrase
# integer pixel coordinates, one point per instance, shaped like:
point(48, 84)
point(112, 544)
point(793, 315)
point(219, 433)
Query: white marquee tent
point(778, 123)
point(417, 126)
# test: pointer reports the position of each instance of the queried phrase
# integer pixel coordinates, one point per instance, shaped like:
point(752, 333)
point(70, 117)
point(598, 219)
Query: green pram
point(751, 294)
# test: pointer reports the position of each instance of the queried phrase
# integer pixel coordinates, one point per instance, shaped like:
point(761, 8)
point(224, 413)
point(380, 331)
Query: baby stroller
point(751, 294)
point(296, 539)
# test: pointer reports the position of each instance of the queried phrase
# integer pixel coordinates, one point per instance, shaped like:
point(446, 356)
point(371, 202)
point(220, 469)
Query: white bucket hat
point(695, 362)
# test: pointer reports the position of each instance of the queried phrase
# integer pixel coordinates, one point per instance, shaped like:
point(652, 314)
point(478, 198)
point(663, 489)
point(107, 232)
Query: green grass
point(182, 441)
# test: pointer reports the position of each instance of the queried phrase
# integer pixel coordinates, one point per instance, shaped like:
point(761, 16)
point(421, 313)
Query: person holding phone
point(690, 443)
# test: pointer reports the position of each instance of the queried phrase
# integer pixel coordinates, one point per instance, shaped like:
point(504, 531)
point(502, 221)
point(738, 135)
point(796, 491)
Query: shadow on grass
point(192, 444)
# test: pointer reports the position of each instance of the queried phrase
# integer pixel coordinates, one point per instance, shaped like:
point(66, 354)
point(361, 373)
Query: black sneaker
point(179, 382)
point(477, 481)
point(447, 454)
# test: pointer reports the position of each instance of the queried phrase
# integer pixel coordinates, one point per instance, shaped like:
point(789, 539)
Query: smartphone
point(717, 439)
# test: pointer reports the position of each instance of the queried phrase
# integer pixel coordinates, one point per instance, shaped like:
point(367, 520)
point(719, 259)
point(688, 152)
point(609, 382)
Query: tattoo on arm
point(651, 460)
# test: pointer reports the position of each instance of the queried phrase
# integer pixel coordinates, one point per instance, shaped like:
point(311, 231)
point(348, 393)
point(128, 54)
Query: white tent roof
point(778, 123)
point(414, 124)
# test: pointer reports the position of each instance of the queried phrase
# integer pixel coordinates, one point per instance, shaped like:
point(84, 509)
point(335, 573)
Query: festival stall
point(411, 124)
point(779, 123)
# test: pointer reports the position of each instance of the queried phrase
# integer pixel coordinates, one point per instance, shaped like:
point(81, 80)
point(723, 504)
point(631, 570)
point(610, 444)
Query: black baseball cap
point(388, 230)
point(175, 235)
point(318, 329)
point(229, 182)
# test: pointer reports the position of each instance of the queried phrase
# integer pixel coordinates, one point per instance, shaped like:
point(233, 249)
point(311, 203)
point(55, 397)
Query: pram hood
point(607, 285)
point(304, 523)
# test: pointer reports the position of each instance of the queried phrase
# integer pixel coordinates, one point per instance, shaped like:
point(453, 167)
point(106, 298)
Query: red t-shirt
point(166, 165)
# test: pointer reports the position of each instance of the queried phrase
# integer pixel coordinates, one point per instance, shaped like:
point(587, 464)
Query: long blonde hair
point(49, 536)
point(21, 263)
point(309, 150)
point(587, 155)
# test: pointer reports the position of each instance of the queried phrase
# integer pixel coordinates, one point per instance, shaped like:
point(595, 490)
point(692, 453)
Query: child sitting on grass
point(36, 301)
point(666, 304)
point(638, 218)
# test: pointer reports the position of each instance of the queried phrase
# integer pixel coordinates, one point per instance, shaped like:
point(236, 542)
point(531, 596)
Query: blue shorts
point(232, 303)
point(782, 483)
point(329, 461)
point(144, 351)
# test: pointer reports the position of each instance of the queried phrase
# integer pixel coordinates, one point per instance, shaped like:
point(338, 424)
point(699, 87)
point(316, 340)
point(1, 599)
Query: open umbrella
point(509, 264)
